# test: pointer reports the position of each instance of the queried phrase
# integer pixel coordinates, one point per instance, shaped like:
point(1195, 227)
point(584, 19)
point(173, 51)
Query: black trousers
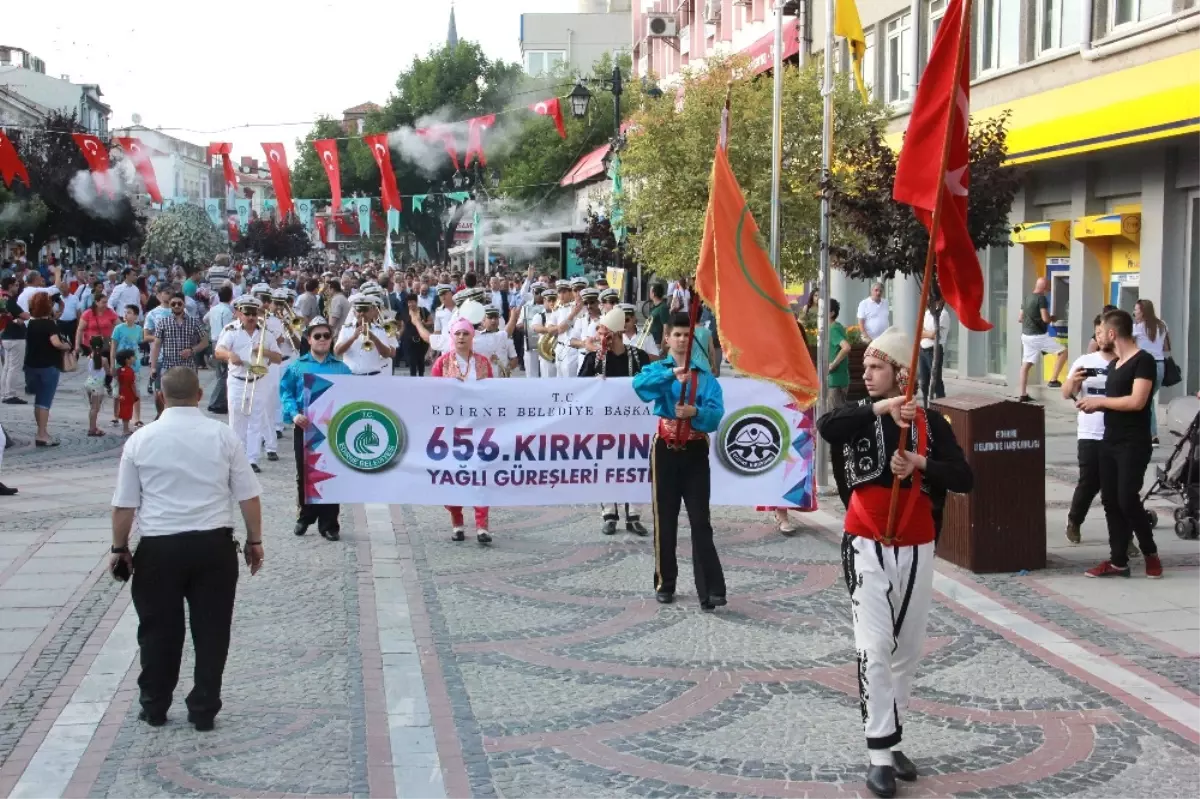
point(682, 476)
point(324, 516)
point(1089, 480)
point(1122, 470)
point(200, 568)
point(414, 353)
point(925, 372)
point(219, 402)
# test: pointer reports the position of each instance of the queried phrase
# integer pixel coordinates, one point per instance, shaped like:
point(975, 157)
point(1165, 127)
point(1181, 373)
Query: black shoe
point(483, 537)
point(1054, 384)
point(218, 411)
point(202, 723)
point(707, 605)
point(272, 456)
point(610, 527)
point(257, 470)
point(1025, 398)
point(300, 529)
point(636, 527)
point(5, 491)
point(15, 401)
point(278, 434)
point(881, 781)
point(719, 600)
point(905, 769)
point(459, 534)
point(332, 534)
point(665, 597)
point(153, 720)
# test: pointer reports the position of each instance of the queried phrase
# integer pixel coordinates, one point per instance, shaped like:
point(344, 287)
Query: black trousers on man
point(926, 374)
point(324, 516)
point(682, 476)
point(414, 354)
point(1122, 470)
point(219, 402)
point(200, 568)
point(1089, 480)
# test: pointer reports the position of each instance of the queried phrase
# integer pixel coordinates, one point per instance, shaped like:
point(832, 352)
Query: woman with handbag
point(1151, 335)
point(44, 350)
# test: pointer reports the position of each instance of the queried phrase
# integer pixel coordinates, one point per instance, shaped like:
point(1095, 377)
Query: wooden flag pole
point(964, 34)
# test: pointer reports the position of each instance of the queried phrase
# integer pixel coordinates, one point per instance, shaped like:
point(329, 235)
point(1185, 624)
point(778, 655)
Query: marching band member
point(679, 470)
point(270, 384)
point(560, 323)
point(613, 358)
point(441, 316)
point(463, 363)
point(543, 325)
point(634, 337)
point(318, 360)
point(365, 346)
point(527, 317)
point(890, 582)
point(287, 350)
point(240, 346)
point(608, 300)
point(494, 344)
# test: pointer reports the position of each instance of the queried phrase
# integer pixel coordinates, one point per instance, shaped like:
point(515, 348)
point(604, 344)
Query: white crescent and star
point(956, 181)
point(380, 152)
point(327, 157)
point(274, 155)
point(541, 108)
point(91, 146)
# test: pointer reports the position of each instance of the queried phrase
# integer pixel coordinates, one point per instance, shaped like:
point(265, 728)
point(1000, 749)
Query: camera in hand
point(1093, 372)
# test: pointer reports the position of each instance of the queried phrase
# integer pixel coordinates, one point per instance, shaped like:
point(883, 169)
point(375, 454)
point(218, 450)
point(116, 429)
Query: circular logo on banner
point(367, 437)
point(753, 440)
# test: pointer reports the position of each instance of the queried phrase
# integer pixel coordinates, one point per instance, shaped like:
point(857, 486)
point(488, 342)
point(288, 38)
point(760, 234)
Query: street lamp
point(580, 98)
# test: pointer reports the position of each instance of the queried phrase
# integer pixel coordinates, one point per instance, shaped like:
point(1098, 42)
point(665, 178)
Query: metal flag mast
point(821, 472)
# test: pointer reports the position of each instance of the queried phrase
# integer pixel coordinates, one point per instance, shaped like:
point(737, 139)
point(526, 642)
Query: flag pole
point(822, 455)
point(934, 226)
point(777, 138)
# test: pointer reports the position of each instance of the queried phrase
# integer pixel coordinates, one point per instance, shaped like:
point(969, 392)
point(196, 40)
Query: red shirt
point(92, 325)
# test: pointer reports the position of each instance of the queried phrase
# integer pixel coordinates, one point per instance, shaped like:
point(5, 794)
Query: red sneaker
point(1106, 569)
point(1153, 567)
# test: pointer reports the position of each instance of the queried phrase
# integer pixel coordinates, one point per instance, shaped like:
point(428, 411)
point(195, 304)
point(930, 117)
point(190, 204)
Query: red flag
point(223, 149)
point(934, 120)
point(11, 167)
point(327, 150)
point(281, 177)
point(231, 224)
point(96, 155)
point(322, 234)
point(136, 151)
point(378, 142)
point(343, 226)
point(445, 135)
point(377, 220)
point(475, 129)
point(551, 108)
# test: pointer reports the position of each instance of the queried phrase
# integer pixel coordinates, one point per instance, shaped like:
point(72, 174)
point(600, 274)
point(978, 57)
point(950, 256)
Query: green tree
point(668, 161)
point(184, 233)
point(19, 217)
point(308, 175)
point(275, 241)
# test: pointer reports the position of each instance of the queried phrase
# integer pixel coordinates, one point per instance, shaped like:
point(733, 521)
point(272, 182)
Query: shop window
point(1128, 12)
point(868, 64)
point(898, 80)
point(937, 10)
point(997, 309)
point(538, 62)
point(1058, 24)
point(999, 34)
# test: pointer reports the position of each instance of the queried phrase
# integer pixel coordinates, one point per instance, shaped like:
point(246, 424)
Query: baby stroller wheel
point(1153, 516)
point(1180, 514)
point(1186, 529)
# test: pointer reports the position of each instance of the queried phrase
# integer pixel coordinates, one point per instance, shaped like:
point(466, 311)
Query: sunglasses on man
point(321, 336)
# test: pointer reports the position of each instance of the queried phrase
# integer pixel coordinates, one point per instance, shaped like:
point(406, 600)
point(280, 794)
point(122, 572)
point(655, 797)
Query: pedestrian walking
point(1152, 336)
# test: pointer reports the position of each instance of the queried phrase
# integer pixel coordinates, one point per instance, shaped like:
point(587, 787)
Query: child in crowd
point(129, 404)
point(126, 336)
point(93, 385)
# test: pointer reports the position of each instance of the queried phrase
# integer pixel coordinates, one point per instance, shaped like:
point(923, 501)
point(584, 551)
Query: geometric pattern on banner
point(802, 455)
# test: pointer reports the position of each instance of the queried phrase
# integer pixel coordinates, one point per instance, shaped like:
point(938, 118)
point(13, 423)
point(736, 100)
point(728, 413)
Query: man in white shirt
point(179, 478)
point(925, 366)
point(239, 346)
point(494, 344)
point(365, 346)
point(126, 292)
point(874, 315)
point(35, 284)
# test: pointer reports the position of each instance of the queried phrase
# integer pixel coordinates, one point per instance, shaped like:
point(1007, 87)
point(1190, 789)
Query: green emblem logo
point(753, 440)
point(367, 437)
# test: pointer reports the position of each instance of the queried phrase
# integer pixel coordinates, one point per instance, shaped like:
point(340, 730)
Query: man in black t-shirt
point(1125, 449)
point(13, 342)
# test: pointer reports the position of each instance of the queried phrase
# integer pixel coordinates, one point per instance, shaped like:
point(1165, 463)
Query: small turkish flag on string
point(11, 167)
point(445, 135)
point(223, 149)
point(96, 155)
point(551, 108)
point(328, 152)
point(136, 152)
point(475, 129)
point(378, 142)
point(281, 177)
point(934, 119)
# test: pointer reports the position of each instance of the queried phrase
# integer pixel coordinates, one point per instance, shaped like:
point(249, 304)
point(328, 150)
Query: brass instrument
point(292, 325)
point(258, 369)
point(645, 331)
point(390, 326)
point(364, 332)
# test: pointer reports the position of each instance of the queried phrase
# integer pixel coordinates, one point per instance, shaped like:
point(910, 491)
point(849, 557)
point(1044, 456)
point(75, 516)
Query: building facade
point(1104, 104)
point(24, 74)
point(180, 167)
point(578, 40)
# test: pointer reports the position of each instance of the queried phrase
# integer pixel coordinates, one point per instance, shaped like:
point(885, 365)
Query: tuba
point(547, 343)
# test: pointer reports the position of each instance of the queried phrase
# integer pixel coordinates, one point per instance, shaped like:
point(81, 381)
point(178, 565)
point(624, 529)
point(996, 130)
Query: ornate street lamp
point(580, 98)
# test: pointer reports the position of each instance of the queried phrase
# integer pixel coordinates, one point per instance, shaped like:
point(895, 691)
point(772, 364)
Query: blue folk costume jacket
point(291, 384)
point(657, 383)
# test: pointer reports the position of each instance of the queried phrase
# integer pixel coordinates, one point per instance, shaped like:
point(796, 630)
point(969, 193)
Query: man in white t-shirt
point(1087, 377)
point(929, 378)
point(874, 315)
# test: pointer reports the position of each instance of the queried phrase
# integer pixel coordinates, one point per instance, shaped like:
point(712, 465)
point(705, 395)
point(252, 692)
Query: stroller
point(1179, 477)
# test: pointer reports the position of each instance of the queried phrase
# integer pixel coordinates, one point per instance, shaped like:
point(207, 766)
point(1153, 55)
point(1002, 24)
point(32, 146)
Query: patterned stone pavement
point(399, 663)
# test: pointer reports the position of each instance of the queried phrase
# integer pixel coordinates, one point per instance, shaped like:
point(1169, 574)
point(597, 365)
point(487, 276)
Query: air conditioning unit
point(712, 11)
point(662, 26)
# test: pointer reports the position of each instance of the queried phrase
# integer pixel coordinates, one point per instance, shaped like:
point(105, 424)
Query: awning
point(1043, 233)
point(1128, 226)
point(587, 167)
point(762, 51)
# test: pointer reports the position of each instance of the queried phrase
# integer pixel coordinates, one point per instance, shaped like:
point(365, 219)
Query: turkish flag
point(377, 220)
point(136, 152)
point(231, 224)
point(934, 119)
point(11, 167)
point(475, 129)
point(378, 142)
point(321, 229)
point(445, 135)
point(327, 151)
point(223, 149)
point(344, 227)
point(281, 177)
point(551, 108)
point(96, 155)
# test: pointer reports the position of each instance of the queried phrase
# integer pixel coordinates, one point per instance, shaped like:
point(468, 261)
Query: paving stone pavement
point(399, 663)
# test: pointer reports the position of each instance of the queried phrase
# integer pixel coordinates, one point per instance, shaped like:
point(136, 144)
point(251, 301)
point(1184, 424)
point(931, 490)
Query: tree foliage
point(19, 216)
point(597, 245)
point(183, 234)
point(60, 179)
point(882, 238)
point(275, 241)
point(668, 160)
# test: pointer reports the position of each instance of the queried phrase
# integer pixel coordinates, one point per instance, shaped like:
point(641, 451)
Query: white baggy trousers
point(250, 428)
point(890, 592)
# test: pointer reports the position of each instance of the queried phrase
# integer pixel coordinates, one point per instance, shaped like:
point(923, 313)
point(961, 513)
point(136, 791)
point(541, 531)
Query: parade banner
point(212, 206)
point(243, 214)
point(436, 441)
point(269, 208)
point(304, 210)
point(363, 206)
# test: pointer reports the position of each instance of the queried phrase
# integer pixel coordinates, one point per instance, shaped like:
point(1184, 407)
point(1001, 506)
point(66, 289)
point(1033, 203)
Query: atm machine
point(1058, 274)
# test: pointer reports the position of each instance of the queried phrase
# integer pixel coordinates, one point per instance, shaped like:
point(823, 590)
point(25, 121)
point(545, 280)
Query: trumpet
point(258, 369)
point(364, 332)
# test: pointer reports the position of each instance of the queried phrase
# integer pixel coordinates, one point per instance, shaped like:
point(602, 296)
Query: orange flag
point(758, 330)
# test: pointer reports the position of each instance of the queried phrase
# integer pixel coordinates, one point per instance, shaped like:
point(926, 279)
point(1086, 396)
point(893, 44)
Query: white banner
point(436, 441)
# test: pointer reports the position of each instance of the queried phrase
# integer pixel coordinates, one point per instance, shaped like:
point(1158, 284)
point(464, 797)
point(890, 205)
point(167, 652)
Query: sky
point(200, 75)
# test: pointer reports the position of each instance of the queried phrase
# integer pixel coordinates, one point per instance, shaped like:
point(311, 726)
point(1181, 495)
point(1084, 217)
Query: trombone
point(292, 324)
point(258, 369)
point(391, 326)
point(645, 331)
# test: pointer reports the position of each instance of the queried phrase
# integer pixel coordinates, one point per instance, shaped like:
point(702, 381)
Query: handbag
point(70, 362)
point(1172, 374)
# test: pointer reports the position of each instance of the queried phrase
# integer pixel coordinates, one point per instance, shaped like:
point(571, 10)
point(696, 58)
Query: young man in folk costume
point(613, 358)
point(890, 580)
point(679, 470)
point(463, 363)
